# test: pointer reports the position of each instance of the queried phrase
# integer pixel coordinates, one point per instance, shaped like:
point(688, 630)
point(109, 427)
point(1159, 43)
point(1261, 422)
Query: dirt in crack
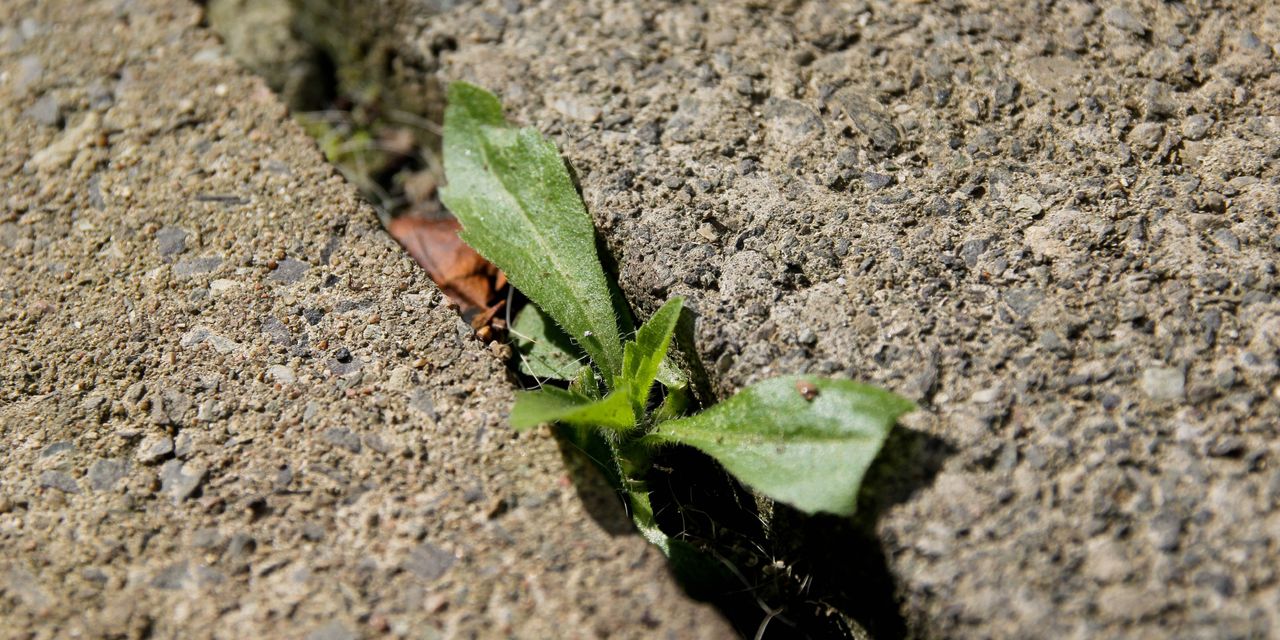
point(784, 575)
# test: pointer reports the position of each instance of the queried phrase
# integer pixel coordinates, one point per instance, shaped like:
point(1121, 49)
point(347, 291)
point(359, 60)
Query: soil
point(1053, 225)
point(230, 406)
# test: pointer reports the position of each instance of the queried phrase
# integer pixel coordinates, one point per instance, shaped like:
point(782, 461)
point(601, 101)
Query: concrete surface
point(1054, 224)
point(229, 406)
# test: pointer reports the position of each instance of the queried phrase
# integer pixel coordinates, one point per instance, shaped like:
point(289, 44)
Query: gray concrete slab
point(229, 405)
point(1052, 224)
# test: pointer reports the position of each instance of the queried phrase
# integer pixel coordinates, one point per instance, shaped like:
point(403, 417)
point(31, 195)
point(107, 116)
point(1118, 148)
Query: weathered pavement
point(1053, 224)
point(229, 406)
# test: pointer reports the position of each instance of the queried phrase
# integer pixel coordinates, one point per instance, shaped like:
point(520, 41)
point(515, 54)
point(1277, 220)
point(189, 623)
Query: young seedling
point(806, 441)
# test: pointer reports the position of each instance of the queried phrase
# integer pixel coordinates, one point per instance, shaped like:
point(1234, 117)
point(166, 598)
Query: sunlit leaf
point(543, 350)
point(518, 207)
point(551, 404)
point(643, 357)
point(804, 441)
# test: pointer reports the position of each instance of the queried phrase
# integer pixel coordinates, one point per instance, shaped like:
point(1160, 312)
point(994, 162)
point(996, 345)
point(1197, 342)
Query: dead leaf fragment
point(469, 280)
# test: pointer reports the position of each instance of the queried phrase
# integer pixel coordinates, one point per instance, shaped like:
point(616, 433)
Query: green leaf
point(676, 403)
point(544, 350)
point(584, 383)
point(810, 452)
point(671, 376)
point(643, 357)
point(551, 404)
point(518, 207)
point(641, 510)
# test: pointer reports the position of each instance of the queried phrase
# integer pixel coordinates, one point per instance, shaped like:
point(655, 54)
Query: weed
point(802, 440)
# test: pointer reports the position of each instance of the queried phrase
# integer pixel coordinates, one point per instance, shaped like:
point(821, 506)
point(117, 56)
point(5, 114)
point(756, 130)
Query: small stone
point(154, 449)
point(241, 545)
point(575, 108)
point(1226, 239)
point(105, 473)
point(169, 407)
point(66, 147)
point(428, 561)
point(181, 480)
point(209, 411)
point(1165, 531)
point(171, 241)
point(56, 448)
point(284, 478)
point(289, 271)
point(1027, 204)
point(790, 121)
point(1228, 447)
point(1163, 383)
point(847, 159)
point(971, 250)
point(1128, 602)
point(46, 111)
point(172, 577)
point(869, 117)
point(876, 181)
point(343, 437)
point(192, 338)
point(1213, 201)
point(985, 396)
point(200, 335)
point(30, 71)
point(206, 538)
point(281, 374)
point(96, 406)
point(1051, 341)
point(21, 585)
point(196, 266)
point(277, 330)
point(420, 401)
point(1196, 127)
point(208, 576)
point(1147, 135)
point(30, 28)
point(101, 95)
point(333, 631)
point(222, 285)
point(58, 480)
point(1024, 301)
point(312, 532)
point(1006, 92)
point(1124, 20)
point(1106, 562)
point(1217, 581)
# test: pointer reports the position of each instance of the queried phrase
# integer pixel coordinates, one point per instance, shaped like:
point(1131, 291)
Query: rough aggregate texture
point(1053, 224)
point(230, 407)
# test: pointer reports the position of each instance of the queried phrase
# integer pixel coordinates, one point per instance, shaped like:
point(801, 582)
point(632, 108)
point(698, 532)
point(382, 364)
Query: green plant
point(802, 440)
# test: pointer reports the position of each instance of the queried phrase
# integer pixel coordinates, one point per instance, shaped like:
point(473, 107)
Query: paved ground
point(1054, 224)
point(229, 406)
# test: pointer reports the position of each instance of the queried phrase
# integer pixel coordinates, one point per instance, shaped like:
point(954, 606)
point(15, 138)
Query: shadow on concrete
point(792, 574)
point(588, 468)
